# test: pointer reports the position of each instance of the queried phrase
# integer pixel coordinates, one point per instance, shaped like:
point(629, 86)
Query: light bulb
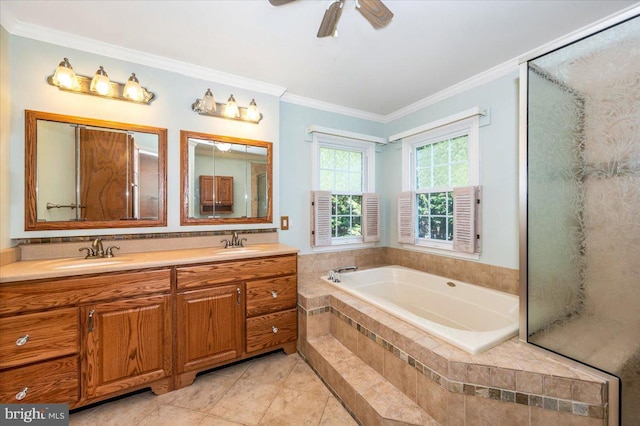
point(64, 76)
point(208, 102)
point(100, 82)
point(132, 89)
point(253, 113)
point(223, 146)
point(231, 110)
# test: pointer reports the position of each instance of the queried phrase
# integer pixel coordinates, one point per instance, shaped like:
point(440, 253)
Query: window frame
point(322, 140)
point(442, 130)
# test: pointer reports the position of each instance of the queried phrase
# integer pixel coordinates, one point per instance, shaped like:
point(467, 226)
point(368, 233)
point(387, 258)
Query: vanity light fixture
point(64, 76)
point(231, 110)
point(66, 79)
point(101, 83)
point(133, 90)
point(223, 146)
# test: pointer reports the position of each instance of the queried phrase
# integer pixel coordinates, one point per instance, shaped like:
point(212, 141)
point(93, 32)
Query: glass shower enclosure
point(580, 190)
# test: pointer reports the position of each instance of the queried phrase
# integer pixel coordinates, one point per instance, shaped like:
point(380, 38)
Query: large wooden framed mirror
point(82, 173)
point(224, 180)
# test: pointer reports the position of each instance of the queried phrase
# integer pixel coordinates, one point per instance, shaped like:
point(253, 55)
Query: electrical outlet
point(284, 223)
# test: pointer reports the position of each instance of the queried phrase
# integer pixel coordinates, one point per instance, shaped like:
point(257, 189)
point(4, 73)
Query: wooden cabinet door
point(127, 343)
point(206, 190)
point(107, 174)
point(209, 326)
point(224, 190)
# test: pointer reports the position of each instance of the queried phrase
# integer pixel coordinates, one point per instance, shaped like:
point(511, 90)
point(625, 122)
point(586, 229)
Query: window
point(435, 162)
point(341, 173)
point(343, 170)
point(439, 167)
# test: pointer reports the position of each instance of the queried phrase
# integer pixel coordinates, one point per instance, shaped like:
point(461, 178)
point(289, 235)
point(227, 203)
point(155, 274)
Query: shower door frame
point(613, 415)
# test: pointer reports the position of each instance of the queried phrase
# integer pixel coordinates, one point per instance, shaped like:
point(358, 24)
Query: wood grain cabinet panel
point(234, 271)
point(271, 295)
point(36, 337)
point(271, 330)
point(209, 325)
point(49, 382)
point(128, 343)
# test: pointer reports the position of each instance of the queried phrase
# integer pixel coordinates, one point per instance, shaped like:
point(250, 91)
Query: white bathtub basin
point(470, 317)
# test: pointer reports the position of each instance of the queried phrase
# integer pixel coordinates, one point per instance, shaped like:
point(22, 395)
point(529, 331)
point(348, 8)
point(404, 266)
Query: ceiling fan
point(374, 11)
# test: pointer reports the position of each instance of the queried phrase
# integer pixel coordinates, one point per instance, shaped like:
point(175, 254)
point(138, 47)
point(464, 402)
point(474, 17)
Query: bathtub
point(467, 316)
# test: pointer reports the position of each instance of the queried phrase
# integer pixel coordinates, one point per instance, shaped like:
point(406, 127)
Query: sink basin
point(86, 263)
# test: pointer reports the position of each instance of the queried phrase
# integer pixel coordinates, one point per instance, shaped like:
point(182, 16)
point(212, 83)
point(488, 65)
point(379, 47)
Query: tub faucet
point(346, 268)
point(334, 275)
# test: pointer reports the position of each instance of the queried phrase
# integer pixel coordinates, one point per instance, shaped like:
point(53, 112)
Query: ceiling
point(428, 46)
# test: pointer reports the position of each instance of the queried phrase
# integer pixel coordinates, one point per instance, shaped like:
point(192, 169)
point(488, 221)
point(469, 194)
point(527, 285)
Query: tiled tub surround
point(509, 384)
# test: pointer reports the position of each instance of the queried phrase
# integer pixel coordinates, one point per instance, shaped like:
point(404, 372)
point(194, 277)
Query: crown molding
point(329, 107)
point(475, 81)
point(85, 44)
point(7, 20)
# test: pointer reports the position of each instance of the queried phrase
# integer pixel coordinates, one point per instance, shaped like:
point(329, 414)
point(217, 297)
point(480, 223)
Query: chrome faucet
point(97, 249)
point(334, 275)
point(234, 241)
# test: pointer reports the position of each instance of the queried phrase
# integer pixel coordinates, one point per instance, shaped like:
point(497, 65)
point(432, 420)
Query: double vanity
point(79, 331)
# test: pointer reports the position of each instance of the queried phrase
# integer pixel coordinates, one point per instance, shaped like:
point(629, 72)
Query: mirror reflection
point(84, 173)
point(228, 180)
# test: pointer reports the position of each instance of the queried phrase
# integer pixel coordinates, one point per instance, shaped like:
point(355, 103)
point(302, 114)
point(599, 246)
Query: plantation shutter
point(405, 218)
point(370, 217)
point(466, 219)
point(320, 218)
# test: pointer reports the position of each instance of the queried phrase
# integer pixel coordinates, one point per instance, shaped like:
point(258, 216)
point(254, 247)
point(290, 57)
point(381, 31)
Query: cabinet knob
point(22, 340)
point(274, 294)
point(22, 394)
point(274, 329)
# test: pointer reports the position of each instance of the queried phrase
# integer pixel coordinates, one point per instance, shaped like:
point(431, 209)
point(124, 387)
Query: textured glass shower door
point(583, 205)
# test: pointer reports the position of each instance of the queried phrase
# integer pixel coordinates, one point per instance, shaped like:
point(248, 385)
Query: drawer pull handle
point(238, 293)
point(274, 294)
point(274, 329)
point(22, 394)
point(22, 340)
point(91, 312)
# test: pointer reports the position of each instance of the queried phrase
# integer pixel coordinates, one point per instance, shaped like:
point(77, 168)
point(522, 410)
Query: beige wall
point(5, 118)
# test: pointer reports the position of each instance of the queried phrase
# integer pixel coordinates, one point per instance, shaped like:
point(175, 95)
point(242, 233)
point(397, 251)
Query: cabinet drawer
point(271, 330)
point(271, 295)
point(26, 296)
point(46, 382)
point(36, 337)
point(233, 271)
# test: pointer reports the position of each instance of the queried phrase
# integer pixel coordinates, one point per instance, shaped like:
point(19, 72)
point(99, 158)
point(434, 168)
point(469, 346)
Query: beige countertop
point(74, 266)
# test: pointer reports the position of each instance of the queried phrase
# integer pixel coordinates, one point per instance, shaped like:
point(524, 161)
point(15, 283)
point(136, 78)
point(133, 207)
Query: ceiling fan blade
point(330, 19)
point(279, 2)
point(375, 12)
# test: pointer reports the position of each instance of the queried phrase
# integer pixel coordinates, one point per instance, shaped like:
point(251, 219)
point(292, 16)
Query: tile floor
point(275, 389)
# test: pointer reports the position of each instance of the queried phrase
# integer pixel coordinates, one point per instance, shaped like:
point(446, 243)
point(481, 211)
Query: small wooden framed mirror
point(224, 180)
